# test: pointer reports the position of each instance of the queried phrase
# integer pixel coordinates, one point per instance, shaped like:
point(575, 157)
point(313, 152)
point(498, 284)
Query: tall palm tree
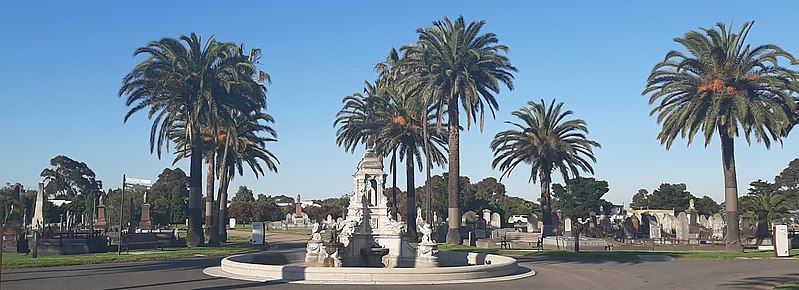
point(453, 64)
point(198, 83)
point(244, 145)
point(547, 141)
point(723, 86)
point(403, 132)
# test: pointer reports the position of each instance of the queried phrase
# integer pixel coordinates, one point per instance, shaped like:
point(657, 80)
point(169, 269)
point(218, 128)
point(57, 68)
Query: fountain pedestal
point(426, 255)
point(332, 257)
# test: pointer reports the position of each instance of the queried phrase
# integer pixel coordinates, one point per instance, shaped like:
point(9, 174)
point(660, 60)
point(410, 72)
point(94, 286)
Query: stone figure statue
point(144, 198)
point(316, 232)
point(426, 233)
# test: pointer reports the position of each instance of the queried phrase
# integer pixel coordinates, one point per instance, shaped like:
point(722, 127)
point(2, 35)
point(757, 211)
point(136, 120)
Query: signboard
point(138, 183)
point(258, 233)
point(782, 245)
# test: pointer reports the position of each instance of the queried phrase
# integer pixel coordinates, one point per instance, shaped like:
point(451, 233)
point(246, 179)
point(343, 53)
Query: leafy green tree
point(168, 197)
point(452, 64)
point(580, 196)
point(548, 141)
point(723, 86)
point(196, 84)
point(244, 194)
point(67, 177)
point(669, 195)
point(640, 199)
point(707, 206)
point(788, 182)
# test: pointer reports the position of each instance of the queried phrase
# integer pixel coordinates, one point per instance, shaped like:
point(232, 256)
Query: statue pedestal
point(314, 253)
point(145, 223)
point(426, 255)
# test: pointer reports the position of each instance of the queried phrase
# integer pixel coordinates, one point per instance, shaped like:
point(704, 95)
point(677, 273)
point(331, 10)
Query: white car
point(517, 218)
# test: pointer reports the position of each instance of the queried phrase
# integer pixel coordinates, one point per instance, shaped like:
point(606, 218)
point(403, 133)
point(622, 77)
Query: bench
point(507, 241)
point(141, 239)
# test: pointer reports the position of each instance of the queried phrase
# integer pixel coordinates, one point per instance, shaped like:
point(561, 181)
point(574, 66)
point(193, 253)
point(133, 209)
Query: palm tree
point(453, 64)
point(724, 86)
point(403, 132)
point(548, 141)
point(772, 204)
point(198, 84)
point(244, 145)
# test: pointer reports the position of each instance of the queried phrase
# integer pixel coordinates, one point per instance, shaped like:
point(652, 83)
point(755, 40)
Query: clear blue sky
point(61, 65)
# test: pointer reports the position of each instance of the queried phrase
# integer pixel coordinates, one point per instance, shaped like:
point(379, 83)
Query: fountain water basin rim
point(457, 267)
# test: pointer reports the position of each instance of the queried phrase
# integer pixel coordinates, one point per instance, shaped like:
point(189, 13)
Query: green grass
point(788, 285)
point(235, 246)
point(622, 256)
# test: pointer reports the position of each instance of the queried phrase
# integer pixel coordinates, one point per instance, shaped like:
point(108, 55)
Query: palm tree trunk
point(210, 226)
point(194, 235)
point(546, 203)
point(453, 213)
point(224, 181)
point(732, 238)
point(427, 189)
point(410, 209)
point(394, 208)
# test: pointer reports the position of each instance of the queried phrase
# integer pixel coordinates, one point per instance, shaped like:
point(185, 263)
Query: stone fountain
point(369, 247)
point(368, 236)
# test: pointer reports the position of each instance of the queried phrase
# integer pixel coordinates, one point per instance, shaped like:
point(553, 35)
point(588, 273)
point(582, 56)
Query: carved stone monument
point(368, 234)
point(101, 222)
point(145, 223)
point(38, 212)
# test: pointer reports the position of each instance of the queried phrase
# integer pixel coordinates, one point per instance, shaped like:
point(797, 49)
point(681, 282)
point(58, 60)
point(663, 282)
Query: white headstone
point(782, 245)
point(258, 233)
point(567, 225)
point(487, 216)
point(329, 219)
point(38, 217)
point(232, 223)
point(496, 220)
point(654, 232)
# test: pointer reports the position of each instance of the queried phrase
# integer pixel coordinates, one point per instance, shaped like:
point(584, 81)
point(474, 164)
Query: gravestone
point(636, 223)
point(339, 220)
point(703, 221)
point(496, 221)
point(604, 222)
point(532, 223)
point(627, 226)
point(12, 235)
point(762, 225)
point(682, 227)
point(231, 223)
point(567, 226)
point(469, 217)
point(480, 234)
point(654, 228)
point(329, 219)
point(691, 213)
point(717, 225)
point(38, 212)
point(435, 218)
point(145, 222)
point(101, 222)
point(487, 216)
point(592, 219)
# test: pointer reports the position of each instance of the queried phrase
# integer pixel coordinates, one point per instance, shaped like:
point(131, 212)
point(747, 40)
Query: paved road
point(552, 274)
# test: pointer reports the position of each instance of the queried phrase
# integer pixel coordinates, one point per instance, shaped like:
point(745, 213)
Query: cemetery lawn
point(235, 245)
point(620, 256)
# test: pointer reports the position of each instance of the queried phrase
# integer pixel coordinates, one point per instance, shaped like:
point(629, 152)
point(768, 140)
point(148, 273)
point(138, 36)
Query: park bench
point(129, 240)
point(510, 238)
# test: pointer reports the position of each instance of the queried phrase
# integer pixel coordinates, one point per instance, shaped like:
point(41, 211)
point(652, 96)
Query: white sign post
point(782, 245)
point(258, 233)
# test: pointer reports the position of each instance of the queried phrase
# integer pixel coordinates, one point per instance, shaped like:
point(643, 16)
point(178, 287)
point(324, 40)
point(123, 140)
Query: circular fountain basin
point(287, 267)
